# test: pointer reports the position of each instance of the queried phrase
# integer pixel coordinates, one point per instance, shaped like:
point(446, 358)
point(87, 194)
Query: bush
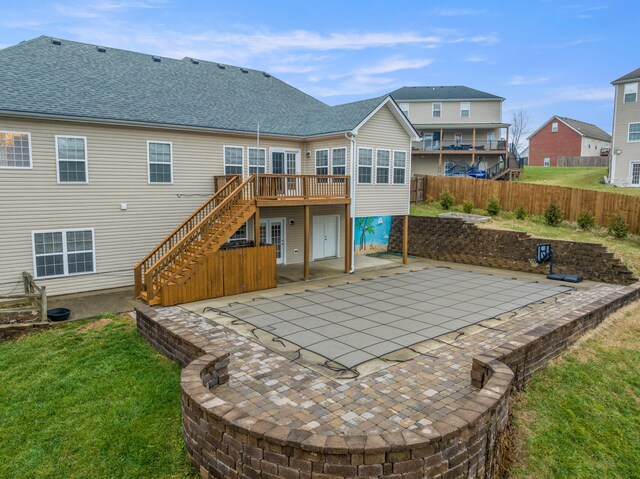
point(493, 206)
point(446, 200)
point(618, 226)
point(553, 214)
point(586, 220)
point(467, 206)
point(520, 212)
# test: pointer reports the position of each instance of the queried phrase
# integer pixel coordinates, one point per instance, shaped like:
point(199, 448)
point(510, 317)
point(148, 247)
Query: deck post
point(256, 227)
point(405, 240)
point(440, 172)
point(306, 242)
point(473, 148)
point(347, 238)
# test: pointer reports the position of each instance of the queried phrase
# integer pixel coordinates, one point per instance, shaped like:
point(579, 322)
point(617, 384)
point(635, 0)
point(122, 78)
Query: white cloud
point(581, 93)
point(395, 63)
point(521, 80)
point(476, 59)
point(354, 85)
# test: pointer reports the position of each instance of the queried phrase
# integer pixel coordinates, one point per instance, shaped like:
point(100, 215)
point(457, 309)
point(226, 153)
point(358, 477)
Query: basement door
point(325, 236)
point(272, 232)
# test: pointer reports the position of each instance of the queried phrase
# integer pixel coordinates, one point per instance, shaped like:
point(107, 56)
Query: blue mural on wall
point(372, 234)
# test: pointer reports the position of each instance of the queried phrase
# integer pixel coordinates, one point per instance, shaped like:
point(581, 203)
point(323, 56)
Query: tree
point(518, 129)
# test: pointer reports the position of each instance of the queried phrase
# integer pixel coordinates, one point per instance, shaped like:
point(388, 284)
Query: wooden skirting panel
point(224, 273)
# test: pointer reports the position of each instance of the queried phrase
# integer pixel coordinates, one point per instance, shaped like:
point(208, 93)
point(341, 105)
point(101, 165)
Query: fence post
point(43, 302)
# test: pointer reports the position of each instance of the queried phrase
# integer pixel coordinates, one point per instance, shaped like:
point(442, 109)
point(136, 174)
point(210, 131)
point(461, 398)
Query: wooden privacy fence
point(417, 188)
point(535, 198)
point(583, 161)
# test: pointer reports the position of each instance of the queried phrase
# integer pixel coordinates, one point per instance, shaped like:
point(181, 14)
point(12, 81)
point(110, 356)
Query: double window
point(634, 132)
point(233, 160)
point(322, 162)
point(399, 167)
point(160, 162)
point(630, 92)
point(436, 110)
point(465, 109)
point(15, 150)
point(339, 163)
point(383, 164)
point(63, 252)
point(365, 165)
point(257, 160)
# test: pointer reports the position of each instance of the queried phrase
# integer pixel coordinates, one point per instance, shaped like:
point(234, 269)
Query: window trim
point(30, 167)
point(249, 148)
point(149, 182)
point(631, 183)
point(465, 109)
point(393, 168)
point(86, 160)
point(224, 160)
point(389, 168)
point(365, 166)
point(629, 140)
point(315, 161)
point(343, 148)
point(65, 252)
point(433, 110)
point(546, 161)
point(554, 127)
point(624, 92)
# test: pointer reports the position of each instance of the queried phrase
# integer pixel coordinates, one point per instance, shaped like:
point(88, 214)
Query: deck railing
point(140, 270)
point(274, 187)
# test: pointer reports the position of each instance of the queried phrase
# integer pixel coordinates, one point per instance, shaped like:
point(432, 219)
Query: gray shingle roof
point(634, 75)
point(77, 80)
point(586, 129)
point(440, 93)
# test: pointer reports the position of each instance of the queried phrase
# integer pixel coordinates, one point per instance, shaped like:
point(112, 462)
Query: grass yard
point(588, 178)
point(626, 249)
point(90, 399)
point(580, 417)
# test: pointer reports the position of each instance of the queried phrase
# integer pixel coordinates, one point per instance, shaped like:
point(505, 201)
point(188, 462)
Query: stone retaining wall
point(13, 331)
point(451, 239)
point(224, 441)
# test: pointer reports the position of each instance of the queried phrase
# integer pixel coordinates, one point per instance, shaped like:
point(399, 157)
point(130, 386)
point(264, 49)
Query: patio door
point(285, 162)
point(325, 236)
point(272, 232)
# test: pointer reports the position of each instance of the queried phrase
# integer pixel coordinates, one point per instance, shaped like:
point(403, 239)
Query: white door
point(272, 232)
point(325, 236)
point(285, 162)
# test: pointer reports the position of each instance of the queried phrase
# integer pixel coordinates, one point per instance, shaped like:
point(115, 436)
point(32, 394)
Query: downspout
point(352, 138)
point(612, 152)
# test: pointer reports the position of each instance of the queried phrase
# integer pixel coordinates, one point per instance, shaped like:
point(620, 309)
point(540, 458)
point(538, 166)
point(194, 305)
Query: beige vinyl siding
point(383, 131)
point(32, 200)
point(489, 111)
point(592, 146)
point(625, 113)
point(309, 163)
point(425, 165)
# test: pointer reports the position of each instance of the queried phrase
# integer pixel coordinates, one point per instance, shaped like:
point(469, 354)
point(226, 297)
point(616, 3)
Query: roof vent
point(55, 41)
point(244, 70)
point(195, 62)
point(266, 74)
point(157, 59)
point(101, 49)
point(221, 67)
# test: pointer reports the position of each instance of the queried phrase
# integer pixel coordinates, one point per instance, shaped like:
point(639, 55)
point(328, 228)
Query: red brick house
point(562, 136)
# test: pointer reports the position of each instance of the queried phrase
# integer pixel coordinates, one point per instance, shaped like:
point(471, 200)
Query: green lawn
point(89, 400)
point(588, 178)
point(580, 417)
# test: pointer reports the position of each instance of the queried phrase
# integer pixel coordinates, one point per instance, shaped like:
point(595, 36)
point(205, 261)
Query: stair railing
point(140, 269)
point(202, 231)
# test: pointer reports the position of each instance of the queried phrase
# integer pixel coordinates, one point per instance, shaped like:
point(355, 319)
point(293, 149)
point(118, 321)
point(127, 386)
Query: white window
point(399, 166)
point(322, 162)
point(554, 127)
point(436, 110)
point(465, 109)
point(257, 160)
point(365, 165)
point(160, 162)
point(383, 165)
point(635, 173)
point(240, 235)
point(405, 108)
point(630, 93)
point(71, 155)
point(233, 160)
point(547, 161)
point(339, 161)
point(15, 150)
point(63, 252)
point(634, 132)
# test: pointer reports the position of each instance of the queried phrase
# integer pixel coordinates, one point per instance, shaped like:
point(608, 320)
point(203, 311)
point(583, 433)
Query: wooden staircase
point(176, 259)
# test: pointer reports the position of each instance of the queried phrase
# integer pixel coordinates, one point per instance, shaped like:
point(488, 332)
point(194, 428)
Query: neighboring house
point(524, 154)
point(566, 137)
point(624, 169)
point(103, 152)
point(459, 127)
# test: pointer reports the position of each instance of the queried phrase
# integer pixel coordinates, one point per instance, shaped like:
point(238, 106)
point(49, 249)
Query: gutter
point(352, 138)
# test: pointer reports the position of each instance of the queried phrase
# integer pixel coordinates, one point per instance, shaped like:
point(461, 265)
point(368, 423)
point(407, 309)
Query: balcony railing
point(451, 145)
point(296, 187)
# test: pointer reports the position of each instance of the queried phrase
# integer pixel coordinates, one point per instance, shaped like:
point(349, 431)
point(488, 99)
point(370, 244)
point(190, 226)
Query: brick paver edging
point(225, 441)
point(14, 331)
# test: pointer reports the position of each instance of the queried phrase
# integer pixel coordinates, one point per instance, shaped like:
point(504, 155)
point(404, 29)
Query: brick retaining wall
point(452, 239)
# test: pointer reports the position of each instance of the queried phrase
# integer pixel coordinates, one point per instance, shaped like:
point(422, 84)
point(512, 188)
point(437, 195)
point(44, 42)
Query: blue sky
point(548, 57)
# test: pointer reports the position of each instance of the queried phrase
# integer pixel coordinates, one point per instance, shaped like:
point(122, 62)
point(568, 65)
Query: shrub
point(553, 214)
point(618, 226)
point(586, 220)
point(446, 200)
point(467, 206)
point(520, 212)
point(493, 206)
